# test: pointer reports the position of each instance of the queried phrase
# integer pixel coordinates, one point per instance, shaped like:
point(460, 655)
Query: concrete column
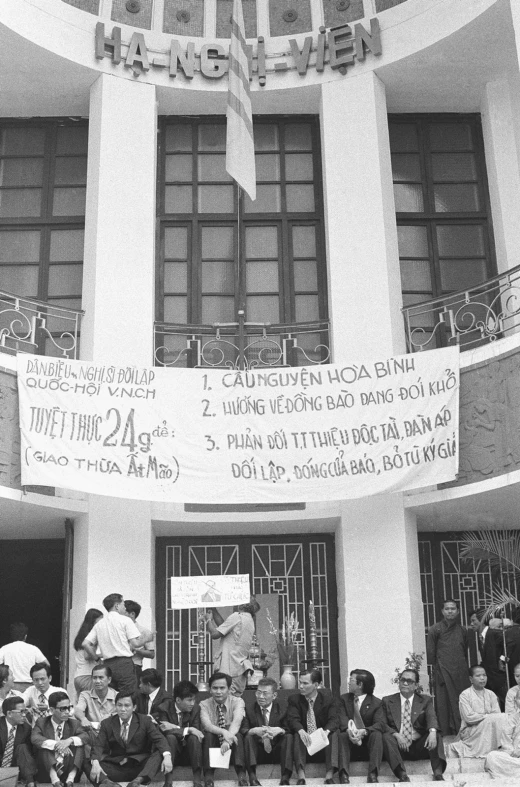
point(498, 126)
point(363, 261)
point(118, 277)
point(379, 589)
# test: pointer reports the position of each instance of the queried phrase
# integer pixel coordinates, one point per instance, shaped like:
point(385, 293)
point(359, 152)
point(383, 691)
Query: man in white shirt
point(21, 656)
point(59, 742)
point(36, 697)
point(116, 636)
point(97, 704)
point(147, 651)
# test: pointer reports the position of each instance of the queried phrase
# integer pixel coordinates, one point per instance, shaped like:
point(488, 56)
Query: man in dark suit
point(361, 726)
point(306, 712)
point(152, 699)
point(512, 638)
point(15, 740)
point(412, 729)
point(59, 742)
point(268, 738)
point(180, 724)
point(123, 748)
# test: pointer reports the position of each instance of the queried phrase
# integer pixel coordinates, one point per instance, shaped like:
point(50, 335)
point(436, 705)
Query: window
point(444, 230)
point(43, 170)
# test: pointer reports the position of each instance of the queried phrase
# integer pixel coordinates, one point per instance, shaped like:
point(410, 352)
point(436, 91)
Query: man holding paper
point(313, 719)
point(221, 719)
point(361, 725)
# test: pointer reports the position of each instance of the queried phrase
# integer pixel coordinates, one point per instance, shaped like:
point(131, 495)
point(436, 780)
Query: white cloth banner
point(227, 591)
point(271, 436)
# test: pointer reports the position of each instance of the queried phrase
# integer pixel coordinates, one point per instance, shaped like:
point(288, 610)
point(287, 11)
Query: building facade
point(387, 138)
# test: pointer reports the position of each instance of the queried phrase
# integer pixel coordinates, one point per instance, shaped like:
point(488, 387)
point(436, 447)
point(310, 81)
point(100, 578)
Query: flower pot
point(288, 678)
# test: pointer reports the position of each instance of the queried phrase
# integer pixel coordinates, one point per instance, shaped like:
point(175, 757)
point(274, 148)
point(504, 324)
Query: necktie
point(59, 757)
point(179, 718)
point(267, 741)
point(124, 732)
point(40, 711)
point(406, 726)
point(9, 750)
point(311, 718)
point(59, 730)
point(221, 718)
point(358, 721)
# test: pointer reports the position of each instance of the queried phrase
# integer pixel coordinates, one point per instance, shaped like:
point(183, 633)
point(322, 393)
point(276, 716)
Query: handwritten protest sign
point(277, 435)
point(223, 591)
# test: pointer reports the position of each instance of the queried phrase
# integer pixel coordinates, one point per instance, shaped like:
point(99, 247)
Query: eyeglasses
point(64, 707)
point(407, 680)
point(262, 693)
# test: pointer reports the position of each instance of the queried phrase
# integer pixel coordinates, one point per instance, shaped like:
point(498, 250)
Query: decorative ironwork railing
point(471, 317)
point(242, 345)
point(31, 326)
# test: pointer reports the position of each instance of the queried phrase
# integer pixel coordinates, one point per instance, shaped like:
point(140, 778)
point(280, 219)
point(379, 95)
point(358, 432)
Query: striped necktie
point(311, 718)
point(358, 721)
point(9, 750)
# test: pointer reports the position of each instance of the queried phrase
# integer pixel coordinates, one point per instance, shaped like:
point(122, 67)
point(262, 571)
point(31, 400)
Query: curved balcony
point(31, 326)
point(468, 318)
point(241, 345)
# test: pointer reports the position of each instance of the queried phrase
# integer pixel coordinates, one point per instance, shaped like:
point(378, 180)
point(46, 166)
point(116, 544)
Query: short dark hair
point(367, 680)
point(183, 689)
point(220, 676)
point(38, 666)
point(57, 696)
point(99, 667)
point(4, 674)
point(10, 703)
point(450, 601)
point(111, 600)
point(411, 669)
point(18, 631)
point(133, 606)
point(268, 682)
point(251, 606)
point(474, 667)
point(122, 695)
point(152, 676)
point(473, 612)
point(316, 676)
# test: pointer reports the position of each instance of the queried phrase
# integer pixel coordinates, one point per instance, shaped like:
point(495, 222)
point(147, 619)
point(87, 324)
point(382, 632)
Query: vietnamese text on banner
point(297, 434)
point(225, 591)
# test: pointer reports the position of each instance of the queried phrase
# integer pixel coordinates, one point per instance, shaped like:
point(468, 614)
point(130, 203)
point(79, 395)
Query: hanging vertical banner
point(297, 434)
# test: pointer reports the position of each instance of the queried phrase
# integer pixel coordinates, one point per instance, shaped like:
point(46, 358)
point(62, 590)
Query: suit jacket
point(423, 714)
point(490, 651)
point(325, 712)
point(371, 712)
point(22, 735)
point(44, 731)
point(143, 734)
point(188, 719)
point(160, 705)
point(254, 717)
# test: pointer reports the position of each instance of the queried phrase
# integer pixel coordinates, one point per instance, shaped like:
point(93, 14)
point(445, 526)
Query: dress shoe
point(243, 782)
point(301, 781)
point(438, 777)
point(372, 778)
point(197, 784)
point(208, 783)
point(404, 777)
point(328, 781)
point(253, 781)
point(284, 780)
point(343, 778)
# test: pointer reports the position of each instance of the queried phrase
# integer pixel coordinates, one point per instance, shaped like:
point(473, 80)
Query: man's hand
point(194, 731)
point(63, 746)
point(327, 732)
point(431, 741)
point(208, 616)
point(97, 771)
point(260, 731)
point(225, 747)
point(85, 723)
point(228, 737)
point(166, 726)
point(274, 731)
point(401, 741)
point(167, 766)
point(306, 738)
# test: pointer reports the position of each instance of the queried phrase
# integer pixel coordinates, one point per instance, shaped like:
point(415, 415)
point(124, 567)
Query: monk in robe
point(446, 647)
point(482, 721)
point(505, 763)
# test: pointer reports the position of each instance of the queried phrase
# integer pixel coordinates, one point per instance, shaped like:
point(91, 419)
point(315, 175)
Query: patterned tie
point(37, 712)
point(221, 718)
point(9, 750)
point(406, 726)
point(311, 718)
point(358, 721)
point(124, 733)
point(267, 741)
point(59, 757)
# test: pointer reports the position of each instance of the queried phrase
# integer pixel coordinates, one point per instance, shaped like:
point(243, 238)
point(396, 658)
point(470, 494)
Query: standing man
point(59, 742)
point(412, 729)
point(96, 704)
point(268, 738)
point(221, 718)
point(446, 647)
point(236, 633)
point(491, 646)
point(512, 638)
point(181, 727)
point(306, 712)
point(21, 656)
point(36, 697)
point(117, 636)
point(147, 649)
point(15, 740)
point(361, 726)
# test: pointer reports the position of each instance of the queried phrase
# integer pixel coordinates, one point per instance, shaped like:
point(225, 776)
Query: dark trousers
point(328, 755)
point(23, 759)
point(371, 749)
point(417, 751)
point(282, 752)
point(212, 741)
point(46, 760)
point(123, 673)
point(185, 751)
point(117, 772)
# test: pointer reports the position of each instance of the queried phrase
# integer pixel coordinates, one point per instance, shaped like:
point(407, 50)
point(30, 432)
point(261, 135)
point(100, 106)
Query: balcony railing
point(31, 326)
point(242, 345)
point(468, 318)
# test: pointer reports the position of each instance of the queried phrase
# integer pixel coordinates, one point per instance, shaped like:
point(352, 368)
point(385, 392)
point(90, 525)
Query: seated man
point(128, 747)
point(36, 697)
point(482, 721)
point(180, 725)
point(268, 738)
point(306, 712)
point(361, 726)
point(58, 741)
point(412, 729)
point(505, 763)
point(97, 704)
point(152, 699)
point(15, 740)
point(222, 717)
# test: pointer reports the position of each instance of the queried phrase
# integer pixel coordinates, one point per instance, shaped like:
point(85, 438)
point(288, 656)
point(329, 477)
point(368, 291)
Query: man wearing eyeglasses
point(15, 740)
point(59, 742)
point(268, 738)
point(412, 730)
